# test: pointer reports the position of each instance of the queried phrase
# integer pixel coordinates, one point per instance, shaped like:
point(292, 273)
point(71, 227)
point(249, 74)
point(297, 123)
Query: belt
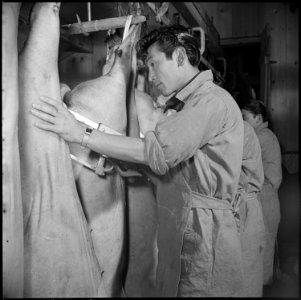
point(246, 195)
point(207, 202)
point(203, 201)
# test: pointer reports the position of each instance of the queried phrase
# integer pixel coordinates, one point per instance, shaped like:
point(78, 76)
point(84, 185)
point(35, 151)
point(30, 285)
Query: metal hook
point(202, 37)
point(100, 169)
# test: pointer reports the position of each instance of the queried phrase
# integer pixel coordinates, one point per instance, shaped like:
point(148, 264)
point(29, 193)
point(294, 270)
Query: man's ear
point(259, 119)
point(180, 56)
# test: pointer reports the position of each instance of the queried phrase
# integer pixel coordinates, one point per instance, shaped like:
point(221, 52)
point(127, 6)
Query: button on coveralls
point(250, 211)
point(271, 159)
point(199, 153)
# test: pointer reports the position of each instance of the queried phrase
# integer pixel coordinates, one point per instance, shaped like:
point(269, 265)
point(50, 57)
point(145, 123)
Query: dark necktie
point(174, 103)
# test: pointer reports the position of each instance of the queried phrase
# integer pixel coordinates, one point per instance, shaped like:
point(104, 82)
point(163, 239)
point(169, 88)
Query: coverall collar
point(194, 84)
point(261, 126)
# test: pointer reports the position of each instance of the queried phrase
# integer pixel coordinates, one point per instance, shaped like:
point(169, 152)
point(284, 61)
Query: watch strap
point(86, 136)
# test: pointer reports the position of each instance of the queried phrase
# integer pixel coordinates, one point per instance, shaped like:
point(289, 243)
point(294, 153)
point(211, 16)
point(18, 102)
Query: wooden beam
point(236, 41)
point(99, 25)
point(217, 74)
point(68, 43)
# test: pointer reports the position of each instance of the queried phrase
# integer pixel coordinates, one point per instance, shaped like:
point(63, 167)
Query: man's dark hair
point(256, 107)
point(168, 38)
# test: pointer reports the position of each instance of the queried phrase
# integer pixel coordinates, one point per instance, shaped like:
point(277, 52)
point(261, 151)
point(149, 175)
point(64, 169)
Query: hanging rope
point(127, 26)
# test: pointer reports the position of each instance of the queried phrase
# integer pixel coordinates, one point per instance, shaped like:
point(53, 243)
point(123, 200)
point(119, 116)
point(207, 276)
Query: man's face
point(163, 73)
point(252, 119)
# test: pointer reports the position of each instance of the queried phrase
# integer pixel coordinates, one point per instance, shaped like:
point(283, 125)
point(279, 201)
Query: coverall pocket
point(197, 256)
point(227, 273)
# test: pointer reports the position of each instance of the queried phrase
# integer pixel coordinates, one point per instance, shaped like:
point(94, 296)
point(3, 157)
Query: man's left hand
point(57, 119)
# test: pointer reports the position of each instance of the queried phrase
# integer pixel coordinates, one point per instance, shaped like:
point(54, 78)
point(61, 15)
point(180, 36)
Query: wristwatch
point(86, 136)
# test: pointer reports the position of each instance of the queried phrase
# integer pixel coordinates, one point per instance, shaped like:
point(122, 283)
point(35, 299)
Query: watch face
point(89, 130)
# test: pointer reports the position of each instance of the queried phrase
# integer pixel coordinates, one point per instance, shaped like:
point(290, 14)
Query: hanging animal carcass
point(58, 251)
point(12, 215)
point(103, 101)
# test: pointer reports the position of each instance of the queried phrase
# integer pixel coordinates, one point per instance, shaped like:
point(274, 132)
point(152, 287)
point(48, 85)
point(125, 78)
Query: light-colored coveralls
point(250, 211)
point(271, 159)
point(200, 148)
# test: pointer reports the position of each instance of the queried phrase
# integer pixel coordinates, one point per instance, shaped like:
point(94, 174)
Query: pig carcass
point(59, 258)
point(12, 215)
point(103, 100)
point(141, 206)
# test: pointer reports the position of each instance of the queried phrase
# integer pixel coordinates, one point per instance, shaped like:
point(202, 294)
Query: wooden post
point(103, 24)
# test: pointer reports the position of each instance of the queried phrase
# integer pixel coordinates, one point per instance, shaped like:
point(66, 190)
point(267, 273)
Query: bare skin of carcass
point(103, 100)
point(12, 214)
point(59, 257)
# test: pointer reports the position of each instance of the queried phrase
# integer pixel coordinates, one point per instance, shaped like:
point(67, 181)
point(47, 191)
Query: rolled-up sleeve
point(154, 154)
point(177, 137)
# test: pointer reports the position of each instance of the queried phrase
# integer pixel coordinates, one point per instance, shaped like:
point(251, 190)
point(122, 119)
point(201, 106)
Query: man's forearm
point(120, 147)
point(59, 120)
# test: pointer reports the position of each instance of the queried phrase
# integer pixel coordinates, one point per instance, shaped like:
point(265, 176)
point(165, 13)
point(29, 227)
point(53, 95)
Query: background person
point(252, 228)
point(255, 113)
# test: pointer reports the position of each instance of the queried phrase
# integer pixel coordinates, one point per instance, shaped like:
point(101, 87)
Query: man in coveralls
point(252, 227)
point(195, 153)
point(255, 113)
